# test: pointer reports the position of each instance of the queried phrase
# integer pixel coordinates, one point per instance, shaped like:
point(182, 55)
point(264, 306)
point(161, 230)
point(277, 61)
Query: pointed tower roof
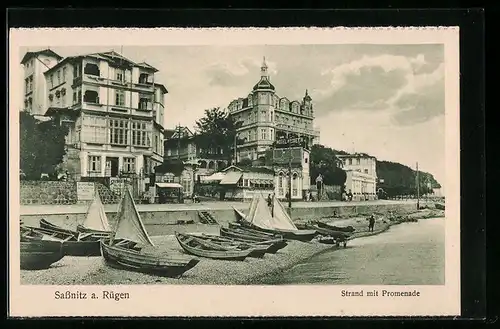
point(307, 97)
point(264, 83)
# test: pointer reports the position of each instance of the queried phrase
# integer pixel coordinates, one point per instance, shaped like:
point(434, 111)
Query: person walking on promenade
point(371, 224)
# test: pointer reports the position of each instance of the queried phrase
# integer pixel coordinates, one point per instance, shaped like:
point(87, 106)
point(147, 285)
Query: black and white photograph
point(258, 163)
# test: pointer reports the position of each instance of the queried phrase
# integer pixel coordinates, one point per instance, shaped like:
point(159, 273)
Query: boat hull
point(238, 255)
point(276, 244)
point(258, 250)
point(324, 231)
point(44, 224)
point(346, 229)
point(300, 235)
point(40, 254)
point(82, 229)
point(127, 259)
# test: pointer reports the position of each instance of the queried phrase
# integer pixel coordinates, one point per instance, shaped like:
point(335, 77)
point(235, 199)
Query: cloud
point(402, 85)
point(241, 72)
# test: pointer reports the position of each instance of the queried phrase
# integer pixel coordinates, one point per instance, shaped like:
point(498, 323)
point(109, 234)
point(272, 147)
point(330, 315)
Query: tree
point(399, 179)
point(217, 131)
point(324, 161)
point(42, 145)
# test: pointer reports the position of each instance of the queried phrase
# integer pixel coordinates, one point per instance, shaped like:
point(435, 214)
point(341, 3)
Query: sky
point(385, 100)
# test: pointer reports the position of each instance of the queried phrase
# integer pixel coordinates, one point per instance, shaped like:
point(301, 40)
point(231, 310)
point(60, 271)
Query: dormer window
point(51, 97)
point(58, 93)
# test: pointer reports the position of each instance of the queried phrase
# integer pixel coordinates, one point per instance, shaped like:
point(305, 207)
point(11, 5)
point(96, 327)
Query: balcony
point(298, 130)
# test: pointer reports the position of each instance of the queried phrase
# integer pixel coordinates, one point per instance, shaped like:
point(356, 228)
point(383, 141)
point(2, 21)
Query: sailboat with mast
point(123, 249)
point(276, 221)
point(96, 221)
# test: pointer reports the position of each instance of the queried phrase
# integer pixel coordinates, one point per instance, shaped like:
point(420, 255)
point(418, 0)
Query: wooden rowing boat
point(328, 232)
point(272, 245)
point(124, 248)
point(201, 248)
point(40, 254)
point(72, 246)
point(347, 229)
point(45, 224)
point(259, 250)
point(256, 232)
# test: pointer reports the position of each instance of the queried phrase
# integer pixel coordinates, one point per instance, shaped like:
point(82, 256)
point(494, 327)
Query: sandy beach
point(93, 270)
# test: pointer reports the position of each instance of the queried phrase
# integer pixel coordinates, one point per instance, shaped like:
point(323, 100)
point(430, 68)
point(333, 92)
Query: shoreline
point(93, 271)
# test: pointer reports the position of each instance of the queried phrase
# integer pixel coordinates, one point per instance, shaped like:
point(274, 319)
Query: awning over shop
point(231, 178)
point(169, 185)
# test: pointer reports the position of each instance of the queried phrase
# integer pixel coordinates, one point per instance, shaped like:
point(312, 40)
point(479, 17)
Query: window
point(118, 131)
point(91, 69)
point(64, 74)
point(295, 185)
point(129, 165)
point(94, 163)
point(157, 145)
point(358, 161)
point(28, 84)
point(366, 171)
point(91, 96)
point(51, 80)
point(74, 97)
point(58, 77)
point(349, 161)
point(94, 129)
point(263, 134)
point(120, 98)
point(120, 75)
point(140, 134)
point(143, 78)
point(76, 71)
point(169, 152)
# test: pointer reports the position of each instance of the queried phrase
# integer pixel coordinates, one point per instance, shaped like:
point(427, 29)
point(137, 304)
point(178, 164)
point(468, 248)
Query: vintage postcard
point(234, 172)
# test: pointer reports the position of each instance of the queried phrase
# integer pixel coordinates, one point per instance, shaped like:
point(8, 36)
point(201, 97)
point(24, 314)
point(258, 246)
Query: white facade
point(34, 84)
point(361, 185)
point(112, 107)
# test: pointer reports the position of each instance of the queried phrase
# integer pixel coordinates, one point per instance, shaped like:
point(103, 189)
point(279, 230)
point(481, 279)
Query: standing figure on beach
point(371, 224)
point(269, 200)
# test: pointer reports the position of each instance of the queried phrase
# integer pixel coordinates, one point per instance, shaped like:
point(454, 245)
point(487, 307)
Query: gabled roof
point(147, 66)
point(46, 52)
point(162, 87)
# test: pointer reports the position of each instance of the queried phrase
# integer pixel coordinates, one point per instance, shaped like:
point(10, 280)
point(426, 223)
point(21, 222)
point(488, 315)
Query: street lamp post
point(290, 178)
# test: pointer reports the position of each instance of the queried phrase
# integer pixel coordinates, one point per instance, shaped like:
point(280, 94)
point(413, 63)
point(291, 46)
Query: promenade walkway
point(202, 206)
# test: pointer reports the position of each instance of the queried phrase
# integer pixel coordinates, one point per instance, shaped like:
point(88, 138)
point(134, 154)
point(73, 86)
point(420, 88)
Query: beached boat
point(251, 231)
point(124, 248)
point(278, 221)
point(45, 224)
point(96, 221)
point(328, 232)
point(272, 245)
point(246, 236)
point(198, 247)
point(81, 246)
point(40, 254)
point(347, 229)
point(218, 242)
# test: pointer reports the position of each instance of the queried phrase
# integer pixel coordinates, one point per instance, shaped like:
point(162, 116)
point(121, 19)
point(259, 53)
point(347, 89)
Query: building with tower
point(267, 117)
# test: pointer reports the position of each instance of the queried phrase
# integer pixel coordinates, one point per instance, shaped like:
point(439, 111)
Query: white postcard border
point(310, 300)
